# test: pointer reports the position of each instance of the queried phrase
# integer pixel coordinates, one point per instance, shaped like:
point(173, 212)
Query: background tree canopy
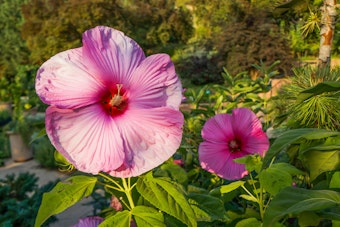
point(202, 36)
point(52, 26)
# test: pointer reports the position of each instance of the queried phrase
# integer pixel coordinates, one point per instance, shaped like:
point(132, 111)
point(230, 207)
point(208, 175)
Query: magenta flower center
point(234, 146)
point(115, 101)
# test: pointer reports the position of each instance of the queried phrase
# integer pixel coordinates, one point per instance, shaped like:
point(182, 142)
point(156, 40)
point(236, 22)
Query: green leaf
point(249, 198)
point(147, 216)
point(292, 170)
point(320, 88)
point(308, 218)
point(249, 222)
point(231, 187)
point(335, 181)
point(122, 218)
point(252, 162)
point(291, 136)
point(319, 162)
point(274, 179)
point(293, 201)
point(207, 208)
point(64, 195)
point(167, 196)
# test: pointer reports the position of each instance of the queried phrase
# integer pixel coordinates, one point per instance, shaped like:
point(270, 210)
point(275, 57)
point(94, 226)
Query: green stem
point(127, 190)
point(119, 188)
point(260, 202)
point(249, 193)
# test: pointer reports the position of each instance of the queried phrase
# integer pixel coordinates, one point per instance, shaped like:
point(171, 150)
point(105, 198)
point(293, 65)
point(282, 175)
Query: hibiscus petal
point(154, 83)
point(218, 128)
point(87, 137)
point(248, 129)
point(244, 122)
point(257, 143)
point(64, 81)
point(111, 54)
point(217, 158)
point(213, 157)
point(151, 136)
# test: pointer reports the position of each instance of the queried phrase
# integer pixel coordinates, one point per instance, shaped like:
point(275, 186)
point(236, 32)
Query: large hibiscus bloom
point(111, 108)
point(227, 137)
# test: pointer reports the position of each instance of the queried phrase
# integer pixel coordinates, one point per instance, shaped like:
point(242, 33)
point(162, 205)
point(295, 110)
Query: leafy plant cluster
point(295, 184)
point(20, 198)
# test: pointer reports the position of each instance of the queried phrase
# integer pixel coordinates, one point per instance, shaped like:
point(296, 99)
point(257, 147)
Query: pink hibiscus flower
point(89, 222)
point(227, 137)
point(111, 108)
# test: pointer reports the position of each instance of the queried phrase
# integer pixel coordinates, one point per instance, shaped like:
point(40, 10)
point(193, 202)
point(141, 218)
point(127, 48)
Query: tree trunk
point(327, 31)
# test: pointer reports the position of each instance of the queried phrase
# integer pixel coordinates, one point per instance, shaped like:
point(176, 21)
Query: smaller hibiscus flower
point(227, 137)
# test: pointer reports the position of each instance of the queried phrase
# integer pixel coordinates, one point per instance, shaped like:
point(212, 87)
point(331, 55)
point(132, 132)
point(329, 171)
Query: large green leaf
point(319, 162)
point(320, 88)
point(275, 179)
point(207, 208)
point(167, 196)
point(147, 216)
point(293, 201)
point(291, 136)
point(64, 195)
point(122, 218)
point(335, 181)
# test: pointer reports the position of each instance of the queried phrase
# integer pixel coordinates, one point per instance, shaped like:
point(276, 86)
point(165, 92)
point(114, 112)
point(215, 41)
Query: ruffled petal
point(150, 137)
point(87, 137)
point(154, 83)
point(64, 81)
point(111, 54)
point(218, 129)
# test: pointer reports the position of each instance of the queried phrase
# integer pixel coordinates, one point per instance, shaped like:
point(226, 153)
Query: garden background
point(228, 54)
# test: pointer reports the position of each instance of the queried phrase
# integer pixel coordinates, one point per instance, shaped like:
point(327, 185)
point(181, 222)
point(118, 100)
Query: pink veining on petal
point(228, 137)
point(111, 108)
point(65, 82)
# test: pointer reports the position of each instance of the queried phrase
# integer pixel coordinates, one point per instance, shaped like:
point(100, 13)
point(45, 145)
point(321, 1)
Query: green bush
point(20, 198)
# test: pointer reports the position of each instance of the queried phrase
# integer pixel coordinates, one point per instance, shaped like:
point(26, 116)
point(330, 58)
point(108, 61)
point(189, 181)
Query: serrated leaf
point(231, 187)
point(274, 179)
point(122, 218)
point(147, 216)
point(64, 195)
point(207, 208)
point(293, 201)
point(319, 162)
point(167, 196)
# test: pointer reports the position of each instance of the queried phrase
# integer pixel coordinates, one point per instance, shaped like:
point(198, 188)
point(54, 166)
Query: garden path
point(66, 218)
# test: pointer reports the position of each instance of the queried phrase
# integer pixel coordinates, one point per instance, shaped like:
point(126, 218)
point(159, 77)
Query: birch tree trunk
point(328, 20)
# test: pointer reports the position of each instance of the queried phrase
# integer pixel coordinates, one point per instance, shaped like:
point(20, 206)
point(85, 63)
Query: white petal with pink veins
point(88, 138)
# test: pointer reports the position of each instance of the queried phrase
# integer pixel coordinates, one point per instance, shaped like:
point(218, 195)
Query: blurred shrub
point(44, 152)
point(20, 198)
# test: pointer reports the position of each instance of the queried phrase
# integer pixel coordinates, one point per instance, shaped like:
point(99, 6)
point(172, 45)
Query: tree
point(52, 26)
point(328, 21)
point(13, 48)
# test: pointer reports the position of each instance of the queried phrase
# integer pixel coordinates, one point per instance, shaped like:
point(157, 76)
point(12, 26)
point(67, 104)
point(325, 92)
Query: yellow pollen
point(117, 99)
